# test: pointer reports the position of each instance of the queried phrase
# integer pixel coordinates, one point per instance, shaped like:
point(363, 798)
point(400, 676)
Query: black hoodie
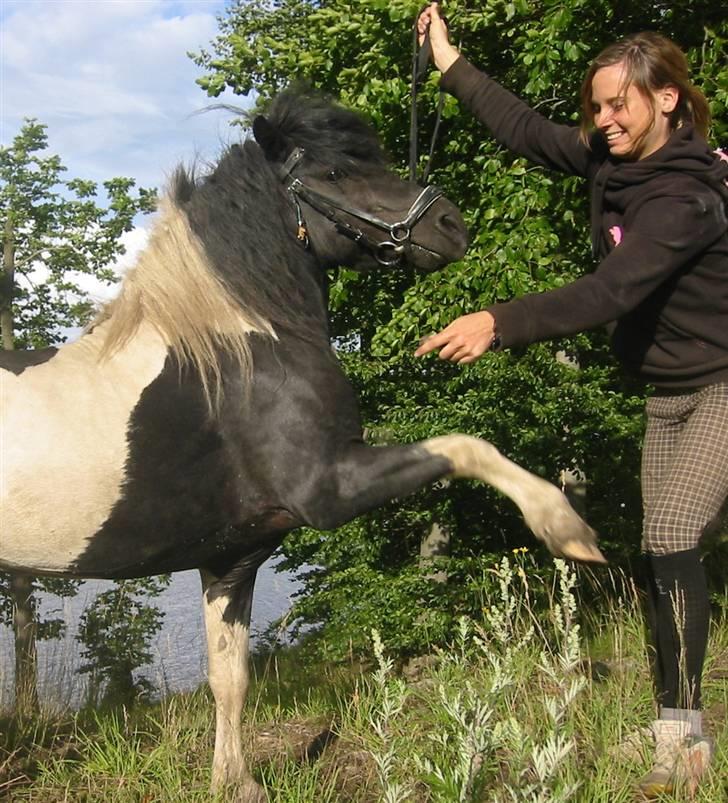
point(659, 231)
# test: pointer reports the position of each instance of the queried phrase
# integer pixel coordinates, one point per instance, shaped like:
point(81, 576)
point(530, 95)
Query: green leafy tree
point(54, 232)
point(116, 632)
point(529, 234)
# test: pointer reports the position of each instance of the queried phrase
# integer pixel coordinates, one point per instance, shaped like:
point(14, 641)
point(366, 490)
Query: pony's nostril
point(448, 223)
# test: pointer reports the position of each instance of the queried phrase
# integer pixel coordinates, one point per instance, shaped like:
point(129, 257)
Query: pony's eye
point(335, 175)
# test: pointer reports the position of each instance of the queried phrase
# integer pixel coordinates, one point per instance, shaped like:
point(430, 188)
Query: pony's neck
point(174, 291)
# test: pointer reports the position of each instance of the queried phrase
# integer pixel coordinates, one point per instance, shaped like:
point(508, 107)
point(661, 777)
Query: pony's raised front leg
point(545, 509)
point(227, 622)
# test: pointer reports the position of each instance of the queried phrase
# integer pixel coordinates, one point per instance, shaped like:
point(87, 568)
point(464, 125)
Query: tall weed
point(528, 704)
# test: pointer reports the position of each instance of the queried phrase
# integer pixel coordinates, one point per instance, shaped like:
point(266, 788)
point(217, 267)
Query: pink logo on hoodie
point(722, 154)
point(616, 233)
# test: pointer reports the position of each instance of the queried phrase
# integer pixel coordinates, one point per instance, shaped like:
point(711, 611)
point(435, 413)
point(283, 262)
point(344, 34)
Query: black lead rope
point(420, 61)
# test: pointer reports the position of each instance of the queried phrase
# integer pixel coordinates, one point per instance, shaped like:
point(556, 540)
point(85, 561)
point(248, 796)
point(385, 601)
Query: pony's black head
point(243, 213)
point(355, 211)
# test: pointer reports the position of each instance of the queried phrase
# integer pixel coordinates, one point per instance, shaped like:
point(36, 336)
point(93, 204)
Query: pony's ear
point(270, 139)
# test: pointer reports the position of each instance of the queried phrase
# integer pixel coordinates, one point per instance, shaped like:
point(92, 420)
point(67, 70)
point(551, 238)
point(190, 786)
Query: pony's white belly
point(63, 449)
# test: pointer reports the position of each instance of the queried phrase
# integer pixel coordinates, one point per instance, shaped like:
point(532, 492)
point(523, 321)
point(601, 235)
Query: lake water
point(180, 650)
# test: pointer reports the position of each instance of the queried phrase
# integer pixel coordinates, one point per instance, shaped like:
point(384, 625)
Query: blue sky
point(112, 81)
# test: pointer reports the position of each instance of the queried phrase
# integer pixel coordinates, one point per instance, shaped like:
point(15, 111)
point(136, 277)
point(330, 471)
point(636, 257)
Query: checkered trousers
point(684, 467)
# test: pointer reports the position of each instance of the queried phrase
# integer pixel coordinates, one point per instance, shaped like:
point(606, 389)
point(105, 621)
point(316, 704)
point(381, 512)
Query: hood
point(685, 152)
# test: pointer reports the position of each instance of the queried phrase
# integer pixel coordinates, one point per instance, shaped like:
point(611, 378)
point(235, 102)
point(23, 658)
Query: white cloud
point(134, 242)
point(112, 81)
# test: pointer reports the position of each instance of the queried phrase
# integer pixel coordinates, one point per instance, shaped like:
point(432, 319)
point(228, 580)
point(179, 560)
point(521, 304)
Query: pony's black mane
point(327, 131)
point(242, 215)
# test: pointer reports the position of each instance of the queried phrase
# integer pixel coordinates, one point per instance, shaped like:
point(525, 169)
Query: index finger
point(423, 21)
point(430, 343)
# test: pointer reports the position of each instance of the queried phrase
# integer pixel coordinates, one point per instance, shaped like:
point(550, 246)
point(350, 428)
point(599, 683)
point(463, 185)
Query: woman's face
point(634, 125)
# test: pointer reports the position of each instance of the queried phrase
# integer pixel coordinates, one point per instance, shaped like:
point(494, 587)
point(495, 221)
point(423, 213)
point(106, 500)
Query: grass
point(521, 707)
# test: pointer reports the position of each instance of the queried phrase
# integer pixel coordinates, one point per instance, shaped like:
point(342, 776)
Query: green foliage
point(529, 234)
point(116, 631)
point(53, 232)
point(49, 626)
point(533, 700)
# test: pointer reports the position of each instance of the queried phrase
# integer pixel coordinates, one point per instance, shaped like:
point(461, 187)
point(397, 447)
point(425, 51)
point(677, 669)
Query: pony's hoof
point(559, 526)
point(250, 792)
point(243, 791)
point(581, 551)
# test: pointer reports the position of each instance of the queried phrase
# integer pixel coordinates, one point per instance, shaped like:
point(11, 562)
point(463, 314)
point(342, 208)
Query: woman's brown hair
point(651, 62)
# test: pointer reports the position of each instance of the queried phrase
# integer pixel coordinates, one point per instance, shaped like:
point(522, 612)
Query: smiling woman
point(634, 124)
point(658, 223)
point(635, 102)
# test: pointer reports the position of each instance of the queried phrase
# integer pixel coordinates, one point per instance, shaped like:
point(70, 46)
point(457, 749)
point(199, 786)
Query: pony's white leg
point(227, 622)
point(545, 509)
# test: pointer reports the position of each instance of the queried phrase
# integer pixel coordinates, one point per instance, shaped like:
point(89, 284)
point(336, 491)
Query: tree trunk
point(24, 629)
point(435, 544)
point(7, 285)
point(573, 484)
point(573, 480)
point(21, 586)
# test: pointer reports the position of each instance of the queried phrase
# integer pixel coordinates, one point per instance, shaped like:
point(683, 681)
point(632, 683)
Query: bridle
point(387, 252)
